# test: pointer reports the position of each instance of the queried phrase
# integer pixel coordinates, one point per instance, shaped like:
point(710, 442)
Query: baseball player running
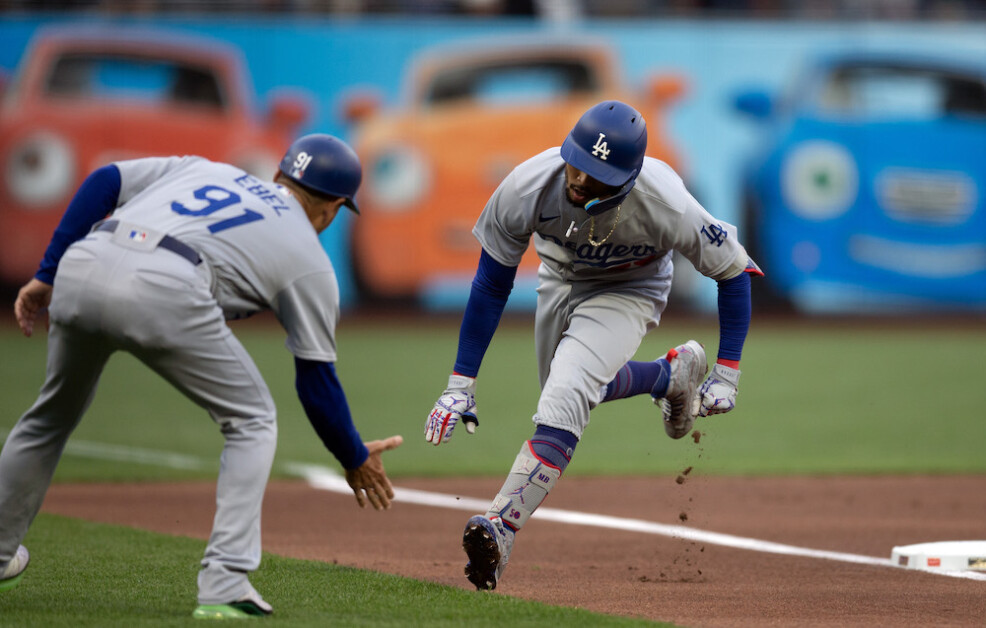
point(604, 220)
point(187, 244)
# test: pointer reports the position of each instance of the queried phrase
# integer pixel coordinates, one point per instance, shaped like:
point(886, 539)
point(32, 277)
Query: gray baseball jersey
point(603, 281)
point(253, 236)
point(657, 217)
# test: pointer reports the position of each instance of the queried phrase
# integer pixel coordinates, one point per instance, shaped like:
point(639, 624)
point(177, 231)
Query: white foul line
point(327, 480)
point(126, 453)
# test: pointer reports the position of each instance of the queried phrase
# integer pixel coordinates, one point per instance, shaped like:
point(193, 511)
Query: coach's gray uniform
point(596, 302)
point(120, 291)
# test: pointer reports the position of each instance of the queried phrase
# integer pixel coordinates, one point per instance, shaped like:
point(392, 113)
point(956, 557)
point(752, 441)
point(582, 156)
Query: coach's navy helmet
point(608, 143)
point(324, 164)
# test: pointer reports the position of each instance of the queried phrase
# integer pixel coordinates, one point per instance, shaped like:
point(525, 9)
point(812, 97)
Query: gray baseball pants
point(112, 295)
point(584, 335)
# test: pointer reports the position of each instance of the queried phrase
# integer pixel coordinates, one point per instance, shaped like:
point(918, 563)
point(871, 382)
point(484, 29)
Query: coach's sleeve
point(94, 200)
point(327, 409)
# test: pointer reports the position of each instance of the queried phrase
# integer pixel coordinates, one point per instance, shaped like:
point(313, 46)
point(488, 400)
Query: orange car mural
point(83, 98)
point(471, 115)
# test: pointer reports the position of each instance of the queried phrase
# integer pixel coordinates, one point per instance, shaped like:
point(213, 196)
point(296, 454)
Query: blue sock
point(637, 378)
point(554, 446)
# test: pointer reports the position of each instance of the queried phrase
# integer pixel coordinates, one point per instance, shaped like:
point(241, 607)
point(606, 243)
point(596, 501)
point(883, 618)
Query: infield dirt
point(628, 573)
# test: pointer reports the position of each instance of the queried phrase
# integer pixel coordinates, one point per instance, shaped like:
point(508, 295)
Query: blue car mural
point(868, 193)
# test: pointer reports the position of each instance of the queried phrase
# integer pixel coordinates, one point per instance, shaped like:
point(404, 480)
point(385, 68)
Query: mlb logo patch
point(137, 236)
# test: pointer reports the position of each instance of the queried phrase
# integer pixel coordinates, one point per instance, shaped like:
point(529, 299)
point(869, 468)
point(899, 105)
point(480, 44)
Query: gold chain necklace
point(592, 227)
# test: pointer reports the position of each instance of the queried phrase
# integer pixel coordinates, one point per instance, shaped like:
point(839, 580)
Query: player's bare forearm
point(31, 301)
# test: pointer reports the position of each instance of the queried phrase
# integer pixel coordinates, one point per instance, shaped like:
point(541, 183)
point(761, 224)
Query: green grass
point(87, 574)
point(814, 399)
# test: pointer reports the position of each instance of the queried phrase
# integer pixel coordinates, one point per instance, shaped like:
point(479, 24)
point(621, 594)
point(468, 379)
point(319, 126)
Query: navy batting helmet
point(324, 164)
point(608, 144)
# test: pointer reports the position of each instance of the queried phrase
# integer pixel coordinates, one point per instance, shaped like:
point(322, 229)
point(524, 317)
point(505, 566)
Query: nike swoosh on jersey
point(543, 218)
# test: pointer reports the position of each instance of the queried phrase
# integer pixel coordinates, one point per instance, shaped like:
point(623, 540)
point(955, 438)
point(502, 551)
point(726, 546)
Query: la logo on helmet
point(600, 149)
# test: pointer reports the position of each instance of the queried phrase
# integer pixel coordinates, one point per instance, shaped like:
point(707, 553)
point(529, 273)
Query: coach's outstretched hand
point(32, 299)
point(369, 481)
point(457, 402)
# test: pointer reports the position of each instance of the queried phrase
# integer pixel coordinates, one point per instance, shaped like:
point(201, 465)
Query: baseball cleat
point(249, 606)
point(487, 543)
point(14, 570)
point(681, 401)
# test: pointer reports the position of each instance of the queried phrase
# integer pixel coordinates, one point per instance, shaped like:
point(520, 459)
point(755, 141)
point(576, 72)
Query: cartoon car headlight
point(819, 180)
point(40, 169)
point(398, 178)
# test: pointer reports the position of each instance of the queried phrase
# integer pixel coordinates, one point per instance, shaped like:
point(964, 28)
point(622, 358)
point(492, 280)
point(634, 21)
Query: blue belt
point(167, 242)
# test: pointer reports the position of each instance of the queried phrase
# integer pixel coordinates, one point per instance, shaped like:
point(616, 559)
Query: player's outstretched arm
point(369, 481)
point(488, 296)
point(31, 301)
point(718, 392)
